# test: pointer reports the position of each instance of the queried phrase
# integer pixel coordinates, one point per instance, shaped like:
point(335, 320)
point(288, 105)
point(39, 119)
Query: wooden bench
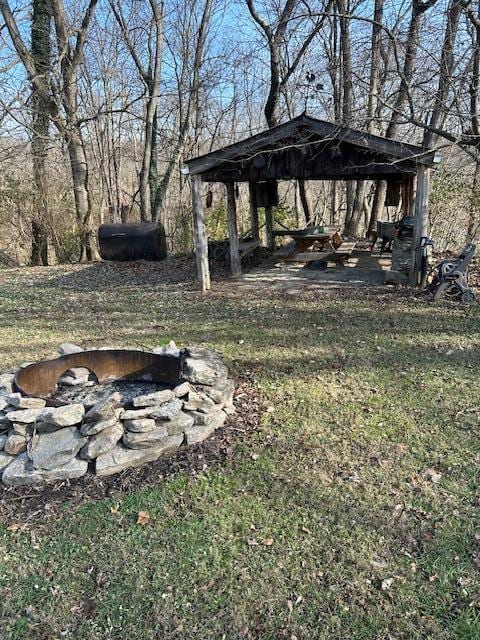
point(287, 251)
point(246, 248)
point(345, 250)
point(313, 256)
point(219, 250)
point(333, 250)
point(289, 254)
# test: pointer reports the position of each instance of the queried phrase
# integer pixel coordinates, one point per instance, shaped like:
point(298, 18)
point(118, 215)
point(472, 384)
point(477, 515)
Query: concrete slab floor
point(363, 268)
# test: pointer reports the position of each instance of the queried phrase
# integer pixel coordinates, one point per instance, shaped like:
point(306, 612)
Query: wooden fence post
point(200, 232)
point(235, 262)
point(254, 211)
point(269, 228)
point(421, 222)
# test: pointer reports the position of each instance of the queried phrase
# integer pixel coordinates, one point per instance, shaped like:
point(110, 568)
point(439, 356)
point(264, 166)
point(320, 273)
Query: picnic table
point(314, 244)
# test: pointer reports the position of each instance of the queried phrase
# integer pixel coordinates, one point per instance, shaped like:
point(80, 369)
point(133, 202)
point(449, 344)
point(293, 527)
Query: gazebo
point(308, 149)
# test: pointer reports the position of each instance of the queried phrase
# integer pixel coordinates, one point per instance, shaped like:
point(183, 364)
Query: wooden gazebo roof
point(310, 149)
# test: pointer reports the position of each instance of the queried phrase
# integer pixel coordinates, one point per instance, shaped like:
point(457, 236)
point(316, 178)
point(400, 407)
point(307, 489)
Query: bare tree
point(353, 221)
point(191, 83)
point(403, 94)
point(281, 69)
point(150, 72)
point(63, 105)
point(41, 58)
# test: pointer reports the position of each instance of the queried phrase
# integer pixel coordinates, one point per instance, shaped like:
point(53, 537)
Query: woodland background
point(102, 101)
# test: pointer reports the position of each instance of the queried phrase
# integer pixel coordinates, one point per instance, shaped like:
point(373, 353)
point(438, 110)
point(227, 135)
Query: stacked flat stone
point(40, 444)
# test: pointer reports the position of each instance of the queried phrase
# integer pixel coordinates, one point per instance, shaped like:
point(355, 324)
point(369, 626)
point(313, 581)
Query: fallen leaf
point(267, 542)
point(433, 476)
point(101, 579)
point(143, 518)
point(15, 527)
point(386, 584)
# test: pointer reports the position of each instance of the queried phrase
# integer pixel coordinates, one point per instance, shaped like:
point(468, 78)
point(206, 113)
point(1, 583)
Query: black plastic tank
point(132, 241)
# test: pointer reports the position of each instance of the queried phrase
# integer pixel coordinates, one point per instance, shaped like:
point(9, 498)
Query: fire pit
point(107, 410)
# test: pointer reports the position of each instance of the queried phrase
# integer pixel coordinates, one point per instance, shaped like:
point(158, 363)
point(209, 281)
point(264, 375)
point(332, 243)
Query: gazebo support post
point(254, 211)
point(421, 223)
point(235, 262)
point(269, 228)
point(200, 233)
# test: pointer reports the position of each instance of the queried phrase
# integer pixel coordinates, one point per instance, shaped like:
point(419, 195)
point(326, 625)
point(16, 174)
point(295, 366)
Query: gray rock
point(6, 383)
point(201, 418)
point(26, 416)
point(202, 366)
point(221, 392)
point(78, 372)
point(3, 403)
point(53, 418)
point(20, 472)
point(4, 421)
point(23, 402)
point(179, 423)
point(146, 438)
point(22, 429)
point(5, 460)
point(3, 439)
point(102, 442)
point(168, 410)
point(137, 414)
point(170, 349)
point(104, 409)
point(199, 402)
point(92, 428)
point(141, 425)
point(75, 376)
point(230, 410)
point(15, 444)
point(67, 348)
point(198, 433)
point(120, 458)
point(153, 399)
point(50, 450)
point(182, 389)
point(72, 382)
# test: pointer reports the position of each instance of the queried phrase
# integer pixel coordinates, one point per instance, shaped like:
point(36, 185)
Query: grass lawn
point(352, 514)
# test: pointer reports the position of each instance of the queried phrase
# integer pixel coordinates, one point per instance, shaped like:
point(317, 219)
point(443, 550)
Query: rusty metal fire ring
point(40, 379)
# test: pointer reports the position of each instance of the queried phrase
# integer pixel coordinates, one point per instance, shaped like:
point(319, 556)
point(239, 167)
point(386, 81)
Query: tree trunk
point(440, 109)
point(355, 209)
point(83, 203)
point(41, 53)
point(302, 190)
point(144, 178)
point(374, 89)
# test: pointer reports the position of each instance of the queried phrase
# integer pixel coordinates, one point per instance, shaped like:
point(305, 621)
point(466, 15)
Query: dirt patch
point(27, 504)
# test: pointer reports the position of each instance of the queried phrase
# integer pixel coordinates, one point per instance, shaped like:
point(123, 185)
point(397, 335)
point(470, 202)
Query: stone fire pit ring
point(107, 410)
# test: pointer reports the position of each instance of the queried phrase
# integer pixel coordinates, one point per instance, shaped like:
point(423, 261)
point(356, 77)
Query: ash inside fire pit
point(92, 392)
point(113, 408)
